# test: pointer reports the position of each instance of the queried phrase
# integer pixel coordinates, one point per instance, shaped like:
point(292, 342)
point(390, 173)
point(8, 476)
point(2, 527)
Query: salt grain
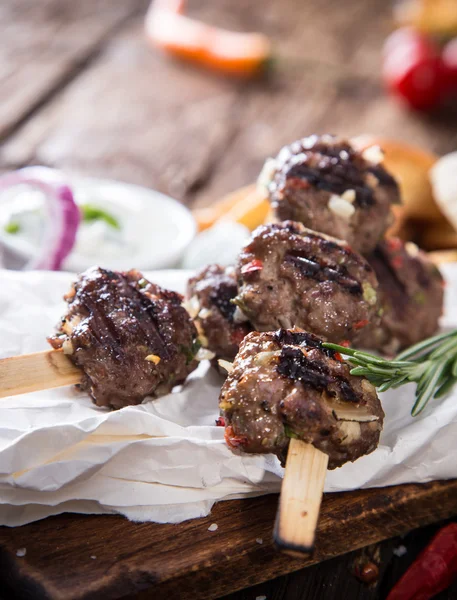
point(93, 557)
point(400, 551)
point(259, 540)
point(21, 552)
point(212, 527)
point(261, 598)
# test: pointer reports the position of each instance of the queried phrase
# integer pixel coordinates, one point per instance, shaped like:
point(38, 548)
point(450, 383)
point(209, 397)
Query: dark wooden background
point(81, 90)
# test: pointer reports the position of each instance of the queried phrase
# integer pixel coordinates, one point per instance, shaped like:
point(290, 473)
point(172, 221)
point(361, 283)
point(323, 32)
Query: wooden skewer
point(35, 372)
point(300, 500)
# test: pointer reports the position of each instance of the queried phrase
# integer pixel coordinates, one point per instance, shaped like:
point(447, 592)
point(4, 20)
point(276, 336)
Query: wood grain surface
point(82, 91)
point(72, 557)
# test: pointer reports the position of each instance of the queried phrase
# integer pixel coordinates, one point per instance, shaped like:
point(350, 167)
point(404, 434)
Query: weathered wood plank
point(43, 43)
point(138, 116)
point(134, 115)
point(173, 561)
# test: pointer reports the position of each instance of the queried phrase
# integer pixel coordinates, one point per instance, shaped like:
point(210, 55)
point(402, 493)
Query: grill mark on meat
point(298, 367)
point(102, 327)
point(314, 270)
point(286, 337)
point(159, 345)
point(338, 169)
point(222, 297)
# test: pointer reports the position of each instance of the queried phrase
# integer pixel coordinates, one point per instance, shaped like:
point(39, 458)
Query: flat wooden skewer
point(35, 372)
point(300, 500)
point(306, 467)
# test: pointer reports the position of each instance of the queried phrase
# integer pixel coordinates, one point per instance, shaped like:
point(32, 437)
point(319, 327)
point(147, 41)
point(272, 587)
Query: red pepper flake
point(433, 570)
point(397, 262)
point(298, 183)
point(345, 343)
point(220, 422)
point(394, 244)
point(251, 267)
point(361, 324)
point(238, 335)
point(339, 357)
point(232, 440)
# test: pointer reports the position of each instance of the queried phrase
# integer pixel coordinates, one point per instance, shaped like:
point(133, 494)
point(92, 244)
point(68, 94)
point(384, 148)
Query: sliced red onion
point(62, 214)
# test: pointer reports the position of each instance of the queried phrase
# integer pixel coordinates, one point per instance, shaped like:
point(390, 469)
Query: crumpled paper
point(165, 460)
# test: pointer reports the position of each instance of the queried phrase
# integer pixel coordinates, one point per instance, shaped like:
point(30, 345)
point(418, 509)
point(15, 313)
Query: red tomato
point(450, 60)
point(414, 70)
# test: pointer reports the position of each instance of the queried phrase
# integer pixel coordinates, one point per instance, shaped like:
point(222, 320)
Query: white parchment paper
point(165, 460)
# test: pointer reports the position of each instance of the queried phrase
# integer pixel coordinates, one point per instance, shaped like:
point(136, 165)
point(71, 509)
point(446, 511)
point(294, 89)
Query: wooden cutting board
point(74, 557)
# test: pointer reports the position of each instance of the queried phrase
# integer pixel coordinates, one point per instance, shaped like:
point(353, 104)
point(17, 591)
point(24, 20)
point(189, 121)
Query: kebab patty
point(130, 337)
point(219, 321)
point(285, 384)
point(329, 186)
point(411, 291)
point(290, 276)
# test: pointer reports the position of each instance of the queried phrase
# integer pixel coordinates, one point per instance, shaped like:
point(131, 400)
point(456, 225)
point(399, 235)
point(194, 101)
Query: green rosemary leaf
point(425, 345)
point(340, 349)
point(431, 365)
point(448, 346)
point(427, 388)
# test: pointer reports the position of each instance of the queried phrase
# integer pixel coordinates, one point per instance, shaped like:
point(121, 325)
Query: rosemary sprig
point(431, 364)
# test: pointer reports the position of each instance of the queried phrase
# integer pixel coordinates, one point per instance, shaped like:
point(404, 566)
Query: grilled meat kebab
point(130, 337)
point(330, 187)
point(285, 384)
point(290, 276)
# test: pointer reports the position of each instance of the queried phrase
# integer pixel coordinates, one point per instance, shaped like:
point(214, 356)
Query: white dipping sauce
point(154, 229)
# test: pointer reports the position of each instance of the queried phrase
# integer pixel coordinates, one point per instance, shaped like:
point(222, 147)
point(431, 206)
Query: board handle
point(35, 372)
point(300, 500)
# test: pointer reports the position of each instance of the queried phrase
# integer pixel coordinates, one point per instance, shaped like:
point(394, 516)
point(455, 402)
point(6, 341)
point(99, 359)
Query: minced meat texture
point(285, 384)
point(130, 337)
point(209, 299)
point(290, 276)
point(411, 298)
point(310, 172)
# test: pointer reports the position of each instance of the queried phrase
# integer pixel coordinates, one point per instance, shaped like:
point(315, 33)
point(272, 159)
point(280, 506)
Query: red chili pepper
point(361, 324)
point(251, 267)
point(433, 570)
point(220, 422)
point(339, 357)
point(232, 440)
point(231, 52)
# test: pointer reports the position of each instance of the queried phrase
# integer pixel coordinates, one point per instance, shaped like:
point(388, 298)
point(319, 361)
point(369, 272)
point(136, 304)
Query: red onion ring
point(62, 214)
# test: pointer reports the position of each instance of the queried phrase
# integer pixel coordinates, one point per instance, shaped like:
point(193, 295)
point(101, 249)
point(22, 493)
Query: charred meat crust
point(334, 166)
point(310, 172)
point(214, 288)
point(291, 276)
point(411, 297)
point(272, 395)
point(130, 337)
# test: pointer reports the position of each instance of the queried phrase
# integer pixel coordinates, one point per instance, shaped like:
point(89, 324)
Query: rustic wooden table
point(81, 90)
